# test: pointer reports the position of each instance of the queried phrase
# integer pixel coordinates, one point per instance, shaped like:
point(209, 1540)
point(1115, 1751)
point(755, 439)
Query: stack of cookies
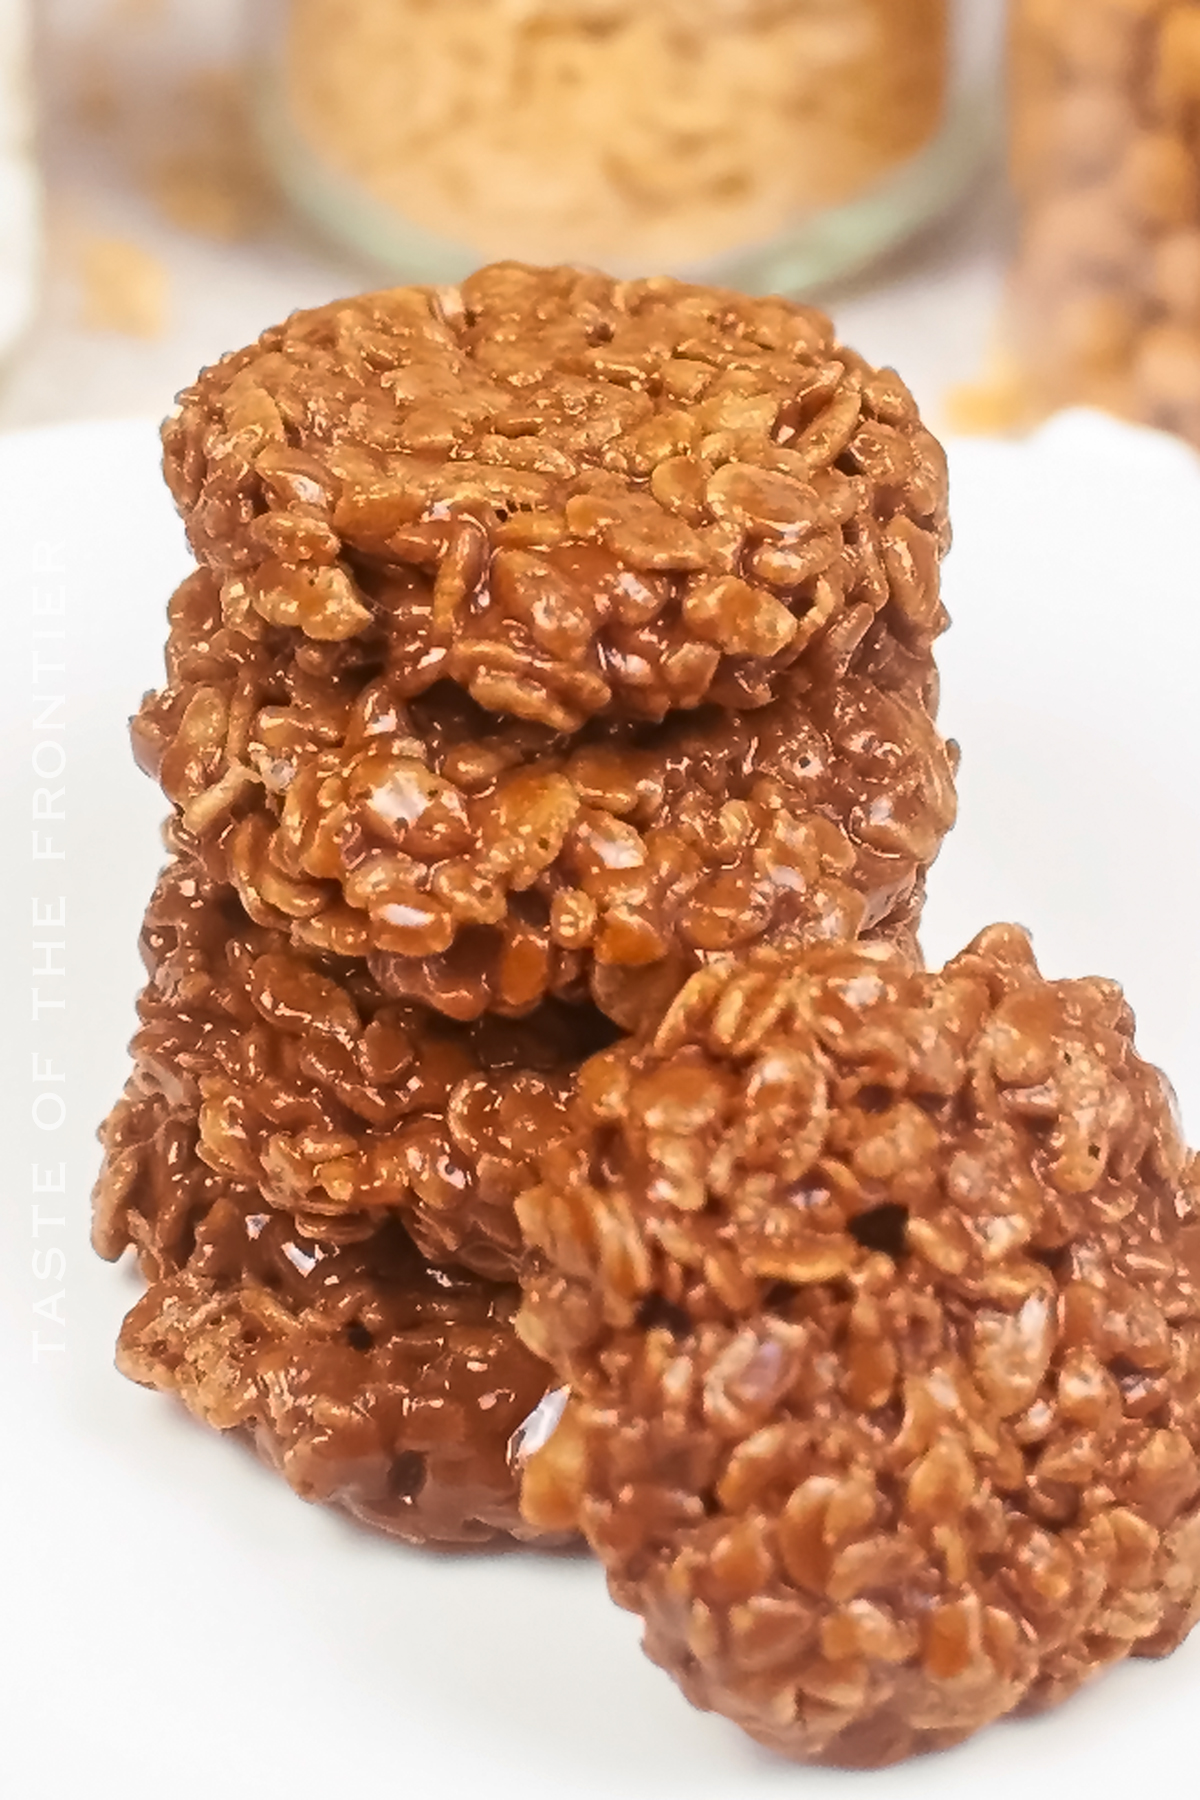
point(551, 639)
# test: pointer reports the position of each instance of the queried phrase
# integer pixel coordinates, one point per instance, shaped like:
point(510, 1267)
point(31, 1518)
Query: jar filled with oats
point(771, 143)
point(1105, 303)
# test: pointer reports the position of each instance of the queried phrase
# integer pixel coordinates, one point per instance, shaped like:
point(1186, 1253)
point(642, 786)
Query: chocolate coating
point(551, 637)
point(370, 1380)
point(279, 1126)
point(335, 1105)
point(569, 495)
point(483, 863)
point(872, 1286)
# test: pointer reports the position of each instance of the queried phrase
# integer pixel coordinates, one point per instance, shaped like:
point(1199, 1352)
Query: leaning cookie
point(569, 495)
point(871, 1286)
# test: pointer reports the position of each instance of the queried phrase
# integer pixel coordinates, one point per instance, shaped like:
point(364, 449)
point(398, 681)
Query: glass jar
point(19, 192)
point(769, 143)
point(1105, 152)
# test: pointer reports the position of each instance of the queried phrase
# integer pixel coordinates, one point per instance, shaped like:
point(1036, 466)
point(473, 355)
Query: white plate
point(172, 1621)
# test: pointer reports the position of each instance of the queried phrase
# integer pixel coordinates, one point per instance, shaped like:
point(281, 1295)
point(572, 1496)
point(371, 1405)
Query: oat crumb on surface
point(124, 287)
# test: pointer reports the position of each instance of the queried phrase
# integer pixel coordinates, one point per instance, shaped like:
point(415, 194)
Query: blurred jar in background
point(1105, 303)
point(19, 197)
point(767, 142)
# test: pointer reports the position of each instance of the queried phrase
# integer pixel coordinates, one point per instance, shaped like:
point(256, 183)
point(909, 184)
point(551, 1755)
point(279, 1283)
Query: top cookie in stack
point(555, 634)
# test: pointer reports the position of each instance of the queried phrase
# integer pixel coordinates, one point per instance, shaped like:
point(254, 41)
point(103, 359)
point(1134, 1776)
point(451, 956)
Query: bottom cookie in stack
point(369, 1378)
point(287, 1140)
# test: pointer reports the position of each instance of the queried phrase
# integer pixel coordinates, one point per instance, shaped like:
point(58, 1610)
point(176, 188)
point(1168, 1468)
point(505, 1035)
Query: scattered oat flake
point(124, 288)
point(999, 403)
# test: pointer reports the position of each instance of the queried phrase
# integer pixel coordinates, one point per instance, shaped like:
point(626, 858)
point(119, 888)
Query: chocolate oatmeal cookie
point(872, 1289)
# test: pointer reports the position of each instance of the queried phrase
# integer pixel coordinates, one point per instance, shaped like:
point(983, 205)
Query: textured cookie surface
point(286, 1141)
point(551, 638)
point(338, 1106)
point(486, 863)
point(371, 1381)
point(873, 1290)
point(569, 495)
